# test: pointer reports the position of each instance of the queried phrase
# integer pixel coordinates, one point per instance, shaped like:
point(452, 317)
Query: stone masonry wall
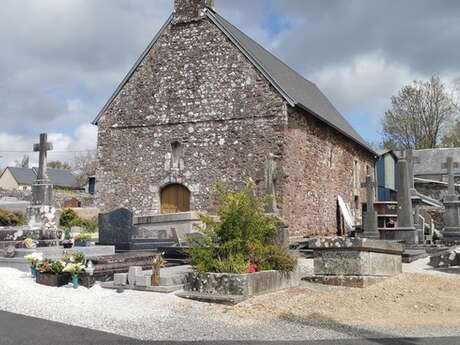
point(194, 88)
point(319, 163)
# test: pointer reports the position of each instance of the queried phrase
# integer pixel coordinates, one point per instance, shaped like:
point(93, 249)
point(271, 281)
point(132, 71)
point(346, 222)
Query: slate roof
point(58, 177)
point(296, 90)
point(23, 175)
point(62, 178)
point(430, 161)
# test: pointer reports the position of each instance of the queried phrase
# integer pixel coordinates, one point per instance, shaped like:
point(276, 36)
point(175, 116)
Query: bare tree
point(419, 115)
point(23, 163)
point(85, 165)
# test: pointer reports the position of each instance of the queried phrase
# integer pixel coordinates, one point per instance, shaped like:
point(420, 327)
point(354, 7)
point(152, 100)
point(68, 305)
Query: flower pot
point(75, 281)
point(67, 244)
point(82, 243)
point(50, 279)
point(33, 272)
point(156, 277)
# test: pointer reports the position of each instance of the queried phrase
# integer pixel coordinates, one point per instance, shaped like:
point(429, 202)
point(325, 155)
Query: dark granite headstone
point(116, 228)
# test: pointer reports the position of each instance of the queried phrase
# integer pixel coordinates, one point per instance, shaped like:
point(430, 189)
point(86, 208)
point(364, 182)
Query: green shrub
point(241, 235)
point(86, 236)
point(87, 224)
point(67, 217)
point(8, 218)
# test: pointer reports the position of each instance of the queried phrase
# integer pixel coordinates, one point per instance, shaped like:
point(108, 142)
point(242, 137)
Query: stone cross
point(271, 175)
point(43, 147)
point(450, 165)
point(370, 223)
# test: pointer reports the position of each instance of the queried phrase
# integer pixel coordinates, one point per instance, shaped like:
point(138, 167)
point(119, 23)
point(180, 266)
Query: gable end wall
point(197, 88)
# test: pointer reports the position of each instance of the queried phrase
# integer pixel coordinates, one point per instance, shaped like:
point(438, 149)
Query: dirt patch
point(409, 299)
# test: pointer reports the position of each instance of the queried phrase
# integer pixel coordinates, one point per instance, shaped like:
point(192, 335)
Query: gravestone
point(271, 175)
point(416, 200)
point(41, 213)
point(451, 232)
point(116, 228)
point(406, 230)
point(370, 217)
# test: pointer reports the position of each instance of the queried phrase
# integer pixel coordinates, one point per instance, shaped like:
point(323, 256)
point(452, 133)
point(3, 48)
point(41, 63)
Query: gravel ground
point(142, 315)
point(305, 313)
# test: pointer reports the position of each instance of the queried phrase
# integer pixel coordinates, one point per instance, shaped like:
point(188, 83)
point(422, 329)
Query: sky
point(62, 59)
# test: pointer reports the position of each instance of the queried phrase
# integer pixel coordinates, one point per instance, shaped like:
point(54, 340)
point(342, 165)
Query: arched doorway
point(175, 198)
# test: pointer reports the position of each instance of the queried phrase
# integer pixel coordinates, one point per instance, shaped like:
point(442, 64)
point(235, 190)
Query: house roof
point(296, 90)
point(62, 178)
point(431, 161)
point(58, 177)
point(22, 175)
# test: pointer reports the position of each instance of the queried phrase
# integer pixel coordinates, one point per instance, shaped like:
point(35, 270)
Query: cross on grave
point(370, 223)
point(450, 165)
point(271, 175)
point(43, 147)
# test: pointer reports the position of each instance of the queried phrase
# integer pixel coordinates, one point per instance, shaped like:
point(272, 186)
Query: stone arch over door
point(175, 198)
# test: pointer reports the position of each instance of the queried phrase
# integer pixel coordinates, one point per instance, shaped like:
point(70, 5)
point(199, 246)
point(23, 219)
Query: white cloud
point(64, 146)
point(366, 82)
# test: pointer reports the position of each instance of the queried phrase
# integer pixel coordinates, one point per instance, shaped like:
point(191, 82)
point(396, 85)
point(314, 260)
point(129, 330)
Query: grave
point(54, 253)
point(126, 232)
point(451, 233)
point(41, 215)
point(370, 216)
point(42, 223)
point(171, 279)
point(229, 288)
point(354, 262)
point(405, 231)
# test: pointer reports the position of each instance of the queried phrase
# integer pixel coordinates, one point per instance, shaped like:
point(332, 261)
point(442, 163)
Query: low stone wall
point(234, 288)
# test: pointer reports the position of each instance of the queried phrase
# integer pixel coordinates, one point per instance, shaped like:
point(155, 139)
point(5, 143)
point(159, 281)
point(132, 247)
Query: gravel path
point(142, 315)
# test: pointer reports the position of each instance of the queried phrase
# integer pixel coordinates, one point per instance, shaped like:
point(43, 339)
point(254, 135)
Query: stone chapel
point(206, 103)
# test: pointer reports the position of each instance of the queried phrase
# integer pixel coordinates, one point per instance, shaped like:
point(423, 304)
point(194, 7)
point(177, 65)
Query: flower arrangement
point(78, 257)
point(30, 243)
point(51, 266)
point(157, 263)
point(74, 269)
point(34, 259)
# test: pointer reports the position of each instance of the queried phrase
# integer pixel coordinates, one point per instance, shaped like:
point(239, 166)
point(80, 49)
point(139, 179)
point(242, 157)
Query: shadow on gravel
point(364, 337)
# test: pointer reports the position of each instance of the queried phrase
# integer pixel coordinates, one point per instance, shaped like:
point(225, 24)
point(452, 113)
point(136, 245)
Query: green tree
point(419, 115)
point(59, 165)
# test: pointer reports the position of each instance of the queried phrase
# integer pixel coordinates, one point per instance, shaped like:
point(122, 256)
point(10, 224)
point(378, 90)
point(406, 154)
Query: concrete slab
point(18, 262)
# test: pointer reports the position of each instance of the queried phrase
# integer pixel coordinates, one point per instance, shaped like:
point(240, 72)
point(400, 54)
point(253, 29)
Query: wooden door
point(175, 198)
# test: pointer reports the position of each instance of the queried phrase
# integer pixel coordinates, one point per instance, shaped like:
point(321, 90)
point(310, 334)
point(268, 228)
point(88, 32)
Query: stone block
point(133, 272)
point(120, 279)
point(144, 280)
point(339, 257)
point(355, 262)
